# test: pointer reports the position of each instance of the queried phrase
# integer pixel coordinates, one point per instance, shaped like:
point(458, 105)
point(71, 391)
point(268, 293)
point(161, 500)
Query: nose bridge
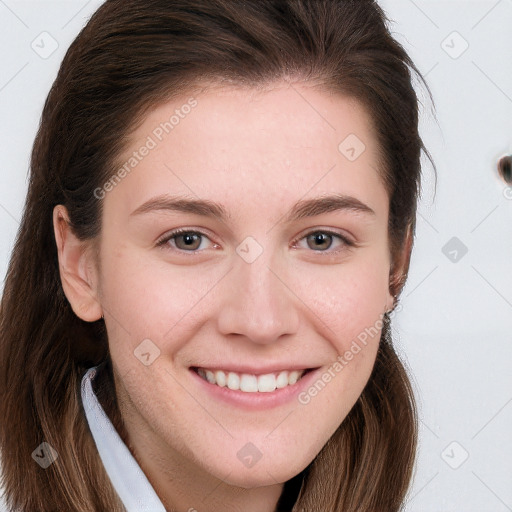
point(258, 304)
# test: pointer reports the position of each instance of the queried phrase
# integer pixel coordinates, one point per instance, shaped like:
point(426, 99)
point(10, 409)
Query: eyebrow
point(300, 210)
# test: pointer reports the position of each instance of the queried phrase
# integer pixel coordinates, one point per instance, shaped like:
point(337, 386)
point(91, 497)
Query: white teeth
point(251, 383)
point(220, 378)
point(248, 383)
point(282, 380)
point(233, 381)
point(267, 383)
point(210, 377)
point(293, 377)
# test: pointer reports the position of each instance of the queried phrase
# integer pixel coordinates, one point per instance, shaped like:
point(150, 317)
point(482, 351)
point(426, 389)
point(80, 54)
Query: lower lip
point(257, 400)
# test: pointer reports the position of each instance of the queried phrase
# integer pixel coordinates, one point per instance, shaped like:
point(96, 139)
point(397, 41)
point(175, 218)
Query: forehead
point(248, 145)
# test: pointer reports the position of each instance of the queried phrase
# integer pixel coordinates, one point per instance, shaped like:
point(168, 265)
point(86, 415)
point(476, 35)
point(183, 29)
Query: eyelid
point(161, 241)
point(347, 241)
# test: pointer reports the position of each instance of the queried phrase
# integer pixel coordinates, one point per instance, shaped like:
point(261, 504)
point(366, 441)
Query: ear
point(77, 268)
point(400, 267)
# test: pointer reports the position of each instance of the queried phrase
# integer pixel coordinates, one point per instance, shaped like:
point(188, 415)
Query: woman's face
point(269, 279)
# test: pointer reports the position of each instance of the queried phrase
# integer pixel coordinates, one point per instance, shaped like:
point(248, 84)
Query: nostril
point(505, 168)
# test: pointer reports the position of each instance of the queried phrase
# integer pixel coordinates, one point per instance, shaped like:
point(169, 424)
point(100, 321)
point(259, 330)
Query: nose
point(258, 303)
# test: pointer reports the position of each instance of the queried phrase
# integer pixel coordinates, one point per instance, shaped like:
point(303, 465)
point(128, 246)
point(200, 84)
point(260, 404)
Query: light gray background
point(454, 329)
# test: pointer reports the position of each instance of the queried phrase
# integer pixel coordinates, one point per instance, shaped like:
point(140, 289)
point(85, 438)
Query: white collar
point(127, 477)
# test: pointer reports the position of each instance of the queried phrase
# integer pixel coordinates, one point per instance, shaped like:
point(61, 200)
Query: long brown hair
point(131, 56)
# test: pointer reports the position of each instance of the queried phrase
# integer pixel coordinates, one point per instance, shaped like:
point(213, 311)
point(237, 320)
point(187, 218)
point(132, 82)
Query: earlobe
point(76, 268)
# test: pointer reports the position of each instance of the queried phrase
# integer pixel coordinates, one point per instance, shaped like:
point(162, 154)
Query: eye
point(322, 240)
point(319, 240)
point(183, 240)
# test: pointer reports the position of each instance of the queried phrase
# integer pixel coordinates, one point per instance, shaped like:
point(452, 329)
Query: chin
point(252, 480)
point(261, 474)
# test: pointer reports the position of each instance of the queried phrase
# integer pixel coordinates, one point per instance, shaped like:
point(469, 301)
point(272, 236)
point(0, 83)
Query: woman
point(218, 226)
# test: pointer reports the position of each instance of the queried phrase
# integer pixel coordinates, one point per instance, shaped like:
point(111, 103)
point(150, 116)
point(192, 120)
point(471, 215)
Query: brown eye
point(319, 240)
point(183, 240)
point(191, 241)
point(324, 241)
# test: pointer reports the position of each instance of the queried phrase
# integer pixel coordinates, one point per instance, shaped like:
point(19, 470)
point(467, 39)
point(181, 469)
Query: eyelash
point(347, 243)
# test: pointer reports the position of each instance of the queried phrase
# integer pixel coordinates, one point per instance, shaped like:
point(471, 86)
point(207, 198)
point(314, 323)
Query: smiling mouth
point(249, 383)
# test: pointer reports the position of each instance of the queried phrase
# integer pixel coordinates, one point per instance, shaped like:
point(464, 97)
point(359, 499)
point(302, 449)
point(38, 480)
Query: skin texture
point(299, 302)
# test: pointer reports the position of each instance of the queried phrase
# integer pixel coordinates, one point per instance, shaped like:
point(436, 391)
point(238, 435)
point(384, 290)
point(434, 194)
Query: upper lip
point(254, 370)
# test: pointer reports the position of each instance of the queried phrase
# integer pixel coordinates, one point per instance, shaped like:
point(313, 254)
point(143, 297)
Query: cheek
point(349, 305)
point(151, 299)
point(349, 301)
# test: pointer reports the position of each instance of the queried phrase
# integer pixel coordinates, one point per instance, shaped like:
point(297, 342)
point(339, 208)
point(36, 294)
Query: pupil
point(320, 238)
point(189, 239)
